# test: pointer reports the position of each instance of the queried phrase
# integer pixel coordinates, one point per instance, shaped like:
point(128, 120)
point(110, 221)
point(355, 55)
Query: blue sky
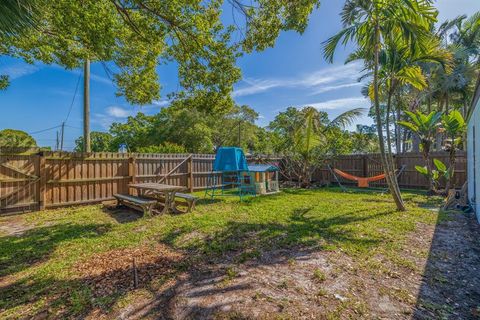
point(293, 73)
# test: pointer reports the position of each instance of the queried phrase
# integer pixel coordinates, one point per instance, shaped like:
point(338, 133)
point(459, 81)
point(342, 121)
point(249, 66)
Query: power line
point(73, 99)
point(40, 131)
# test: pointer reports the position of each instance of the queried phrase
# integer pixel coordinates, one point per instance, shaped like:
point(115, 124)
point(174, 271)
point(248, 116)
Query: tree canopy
point(16, 139)
point(134, 37)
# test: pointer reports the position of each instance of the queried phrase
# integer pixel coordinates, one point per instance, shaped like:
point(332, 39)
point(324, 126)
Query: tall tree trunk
point(447, 103)
point(452, 158)
point(390, 161)
point(428, 164)
point(429, 103)
point(398, 131)
point(397, 197)
point(415, 143)
point(86, 106)
point(404, 141)
point(438, 135)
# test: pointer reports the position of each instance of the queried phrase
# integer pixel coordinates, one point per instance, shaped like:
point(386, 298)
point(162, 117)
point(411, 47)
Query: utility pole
point(239, 133)
point(57, 143)
point(86, 105)
point(61, 136)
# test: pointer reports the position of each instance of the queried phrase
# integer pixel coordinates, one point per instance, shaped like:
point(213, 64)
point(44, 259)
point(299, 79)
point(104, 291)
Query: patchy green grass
point(39, 268)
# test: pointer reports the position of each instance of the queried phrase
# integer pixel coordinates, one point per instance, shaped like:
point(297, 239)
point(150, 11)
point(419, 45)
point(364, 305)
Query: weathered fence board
point(53, 179)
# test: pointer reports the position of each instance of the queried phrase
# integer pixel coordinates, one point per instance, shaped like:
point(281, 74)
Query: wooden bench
point(188, 200)
point(143, 204)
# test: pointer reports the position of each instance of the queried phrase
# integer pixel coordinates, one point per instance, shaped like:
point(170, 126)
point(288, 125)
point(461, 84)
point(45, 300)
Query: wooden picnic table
point(158, 191)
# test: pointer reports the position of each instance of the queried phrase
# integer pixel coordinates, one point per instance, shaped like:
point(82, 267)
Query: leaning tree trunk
point(397, 197)
point(398, 131)
point(390, 162)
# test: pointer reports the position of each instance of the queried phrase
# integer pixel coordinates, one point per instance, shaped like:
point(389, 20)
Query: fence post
point(132, 169)
point(364, 165)
point(42, 181)
point(190, 173)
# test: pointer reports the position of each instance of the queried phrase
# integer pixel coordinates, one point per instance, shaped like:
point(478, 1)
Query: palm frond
point(16, 16)
point(347, 118)
point(331, 44)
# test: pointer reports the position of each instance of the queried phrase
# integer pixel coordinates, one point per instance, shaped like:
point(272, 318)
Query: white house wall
point(473, 160)
point(470, 166)
point(476, 120)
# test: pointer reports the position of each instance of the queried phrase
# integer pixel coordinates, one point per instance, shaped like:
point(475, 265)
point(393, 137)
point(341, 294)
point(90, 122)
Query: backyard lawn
point(299, 254)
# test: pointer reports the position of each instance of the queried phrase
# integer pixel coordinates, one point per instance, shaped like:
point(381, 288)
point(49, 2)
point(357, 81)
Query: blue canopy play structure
point(229, 176)
point(233, 176)
point(230, 159)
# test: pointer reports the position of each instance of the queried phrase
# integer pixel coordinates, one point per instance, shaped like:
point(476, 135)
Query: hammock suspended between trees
point(362, 182)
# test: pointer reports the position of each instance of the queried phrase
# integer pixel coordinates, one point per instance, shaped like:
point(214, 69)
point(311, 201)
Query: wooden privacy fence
point(368, 165)
point(52, 179)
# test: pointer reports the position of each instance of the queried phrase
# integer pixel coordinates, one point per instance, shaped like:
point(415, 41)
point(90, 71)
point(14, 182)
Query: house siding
point(473, 159)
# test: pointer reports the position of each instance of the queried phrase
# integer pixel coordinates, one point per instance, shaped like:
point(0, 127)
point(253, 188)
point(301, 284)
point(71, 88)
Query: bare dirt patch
point(450, 287)
point(113, 271)
point(443, 281)
point(14, 226)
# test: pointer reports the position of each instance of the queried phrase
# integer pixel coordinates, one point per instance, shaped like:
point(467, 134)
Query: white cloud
point(118, 112)
point(320, 81)
point(336, 87)
point(93, 77)
point(161, 103)
point(111, 114)
point(341, 104)
point(258, 86)
point(103, 120)
point(18, 70)
point(101, 79)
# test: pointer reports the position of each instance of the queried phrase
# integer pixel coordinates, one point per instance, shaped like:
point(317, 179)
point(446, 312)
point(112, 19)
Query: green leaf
point(409, 126)
point(422, 170)
point(440, 165)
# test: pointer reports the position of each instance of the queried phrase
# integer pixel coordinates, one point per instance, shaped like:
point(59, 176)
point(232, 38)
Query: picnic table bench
point(189, 200)
point(144, 204)
point(149, 195)
point(186, 200)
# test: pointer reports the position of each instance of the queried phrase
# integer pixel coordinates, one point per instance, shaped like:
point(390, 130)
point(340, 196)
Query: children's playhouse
point(232, 175)
point(264, 177)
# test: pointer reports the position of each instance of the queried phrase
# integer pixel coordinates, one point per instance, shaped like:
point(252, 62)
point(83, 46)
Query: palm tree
point(368, 23)
point(460, 36)
point(455, 127)
point(15, 17)
point(310, 133)
point(425, 127)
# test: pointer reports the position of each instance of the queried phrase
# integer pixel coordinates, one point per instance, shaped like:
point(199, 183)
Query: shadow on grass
point(122, 214)
point(450, 287)
point(200, 272)
point(21, 251)
point(207, 201)
point(302, 229)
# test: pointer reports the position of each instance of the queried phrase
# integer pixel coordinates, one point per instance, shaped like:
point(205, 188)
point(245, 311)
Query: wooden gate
point(19, 182)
